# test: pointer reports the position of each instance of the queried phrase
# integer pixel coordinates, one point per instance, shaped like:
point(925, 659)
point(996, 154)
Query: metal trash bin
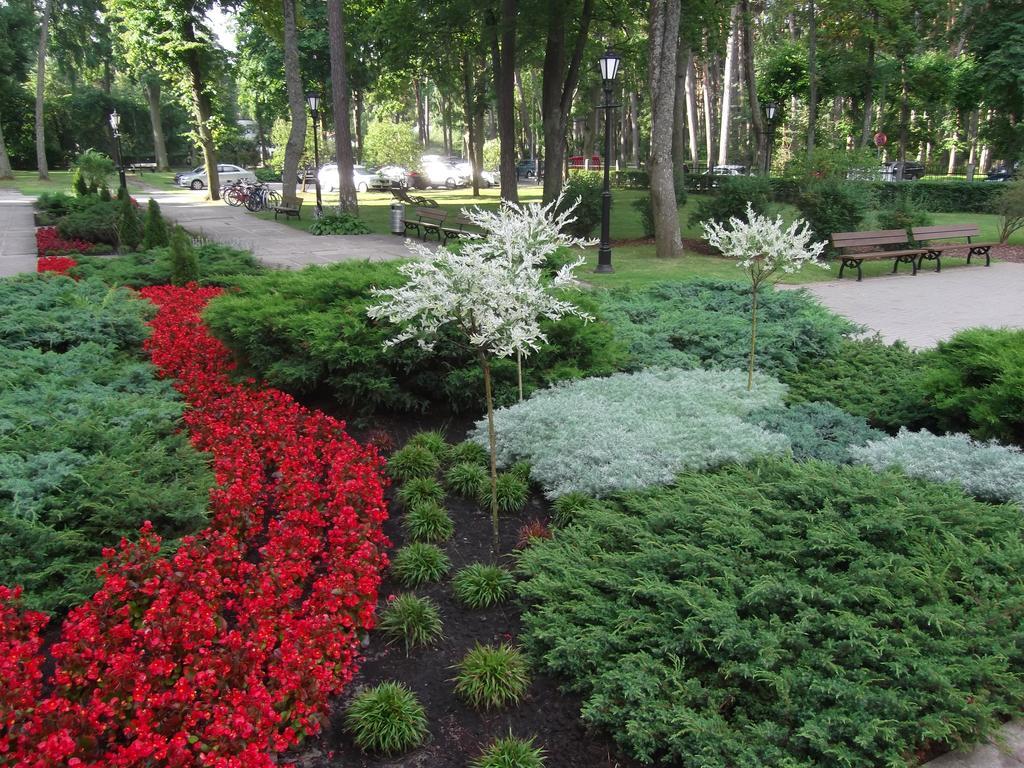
point(397, 219)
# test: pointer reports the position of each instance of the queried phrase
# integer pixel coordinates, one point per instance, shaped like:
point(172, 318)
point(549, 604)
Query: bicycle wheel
point(234, 197)
point(255, 201)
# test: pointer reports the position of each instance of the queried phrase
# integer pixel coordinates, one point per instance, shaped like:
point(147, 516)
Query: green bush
point(974, 383)
point(938, 196)
point(706, 323)
point(832, 205)
point(645, 208)
point(512, 490)
point(218, 265)
point(586, 187)
point(866, 378)
point(339, 224)
point(78, 182)
point(129, 226)
point(104, 195)
point(386, 720)
point(420, 490)
point(1009, 207)
point(731, 198)
point(470, 481)
point(481, 586)
point(307, 330)
point(97, 223)
point(785, 614)
point(468, 452)
point(510, 753)
point(267, 175)
point(492, 676)
point(630, 179)
point(428, 522)
point(419, 563)
point(818, 430)
point(566, 507)
point(432, 441)
point(54, 204)
point(411, 462)
point(95, 168)
point(155, 235)
point(184, 262)
point(629, 431)
point(413, 620)
point(903, 214)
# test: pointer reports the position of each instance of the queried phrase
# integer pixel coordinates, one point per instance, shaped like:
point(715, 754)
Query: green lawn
point(28, 183)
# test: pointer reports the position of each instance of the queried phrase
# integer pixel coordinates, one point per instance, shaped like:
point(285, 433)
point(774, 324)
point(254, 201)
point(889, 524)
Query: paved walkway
point(932, 306)
point(17, 234)
point(1009, 754)
point(273, 243)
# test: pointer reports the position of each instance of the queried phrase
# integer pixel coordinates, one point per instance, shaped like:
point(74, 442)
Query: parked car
point(226, 173)
point(487, 178)
point(912, 170)
point(579, 162)
point(729, 170)
point(197, 169)
point(362, 177)
point(529, 169)
point(306, 175)
point(389, 176)
point(440, 174)
point(1003, 172)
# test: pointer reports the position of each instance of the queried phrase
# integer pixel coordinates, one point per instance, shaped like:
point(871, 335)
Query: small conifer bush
point(155, 234)
point(184, 264)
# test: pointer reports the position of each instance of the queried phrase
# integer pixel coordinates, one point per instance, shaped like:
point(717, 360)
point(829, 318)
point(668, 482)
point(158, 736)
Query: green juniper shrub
point(420, 490)
point(974, 383)
point(428, 521)
point(513, 493)
point(184, 262)
point(387, 719)
point(155, 235)
point(97, 222)
point(468, 452)
point(706, 323)
point(54, 204)
point(340, 223)
point(481, 586)
point(220, 265)
point(833, 205)
point(415, 621)
point(585, 186)
point(104, 195)
point(412, 461)
point(818, 430)
point(129, 226)
point(731, 199)
point(419, 563)
point(808, 598)
point(470, 481)
point(432, 441)
point(866, 378)
point(492, 676)
point(510, 753)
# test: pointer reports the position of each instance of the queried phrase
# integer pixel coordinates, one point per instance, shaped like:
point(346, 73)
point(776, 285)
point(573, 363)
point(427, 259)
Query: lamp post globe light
point(115, 122)
point(313, 99)
point(771, 112)
point(609, 63)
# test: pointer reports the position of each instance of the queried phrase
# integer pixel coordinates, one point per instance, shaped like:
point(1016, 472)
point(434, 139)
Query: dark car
point(1003, 173)
point(529, 169)
point(911, 171)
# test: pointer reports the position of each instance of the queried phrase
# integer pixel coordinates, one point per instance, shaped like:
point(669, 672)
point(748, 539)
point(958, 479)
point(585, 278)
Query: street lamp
point(115, 122)
point(609, 62)
point(771, 111)
point(313, 98)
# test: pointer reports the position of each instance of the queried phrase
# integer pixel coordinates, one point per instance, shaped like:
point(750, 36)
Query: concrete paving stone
point(983, 756)
point(17, 233)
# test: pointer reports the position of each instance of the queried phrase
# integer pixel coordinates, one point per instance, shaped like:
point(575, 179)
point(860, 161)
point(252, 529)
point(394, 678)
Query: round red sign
point(880, 139)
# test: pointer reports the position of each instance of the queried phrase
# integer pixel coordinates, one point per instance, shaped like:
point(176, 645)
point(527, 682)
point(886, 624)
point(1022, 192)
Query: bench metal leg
point(931, 255)
point(847, 262)
point(911, 260)
point(982, 250)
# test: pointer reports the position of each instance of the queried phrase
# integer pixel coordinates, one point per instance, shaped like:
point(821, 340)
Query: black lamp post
point(313, 98)
point(771, 111)
point(115, 121)
point(609, 69)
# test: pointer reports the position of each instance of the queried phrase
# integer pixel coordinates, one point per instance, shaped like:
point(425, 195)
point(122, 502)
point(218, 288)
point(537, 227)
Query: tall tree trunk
point(340, 106)
point(469, 115)
point(359, 123)
point(558, 85)
point(624, 128)
point(691, 112)
point(296, 144)
point(812, 78)
point(869, 84)
point(679, 113)
point(730, 66)
point(152, 88)
point(261, 137)
point(709, 118)
point(972, 137)
point(750, 76)
point(526, 129)
point(5, 161)
point(503, 52)
point(634, 126)
point(905, 118)
point(44, 39)
point(662, 42)
point(202, 110)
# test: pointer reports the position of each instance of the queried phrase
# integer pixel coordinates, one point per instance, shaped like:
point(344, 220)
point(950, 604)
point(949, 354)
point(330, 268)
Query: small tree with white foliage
point(764, 249)
point(492, 289)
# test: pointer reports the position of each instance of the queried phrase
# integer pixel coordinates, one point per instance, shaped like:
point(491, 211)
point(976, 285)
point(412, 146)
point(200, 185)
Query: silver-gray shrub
point(630, 431)
point(988, 471)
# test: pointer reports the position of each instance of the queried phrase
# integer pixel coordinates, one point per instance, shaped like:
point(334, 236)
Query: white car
point(440, 174)
point(362, 177)
point(226, 173)
point(487, 178)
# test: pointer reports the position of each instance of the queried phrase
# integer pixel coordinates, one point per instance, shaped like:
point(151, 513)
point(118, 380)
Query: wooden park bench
point(852, 247)
point(402, 195)
point(140, 167)
point(945, 232)
point(458, 230)
point(428, 221)
point(289, 207)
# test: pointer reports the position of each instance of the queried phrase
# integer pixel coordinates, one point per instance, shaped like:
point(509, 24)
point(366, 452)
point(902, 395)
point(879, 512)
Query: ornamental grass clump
point(468, 452)
point(428, 521)
point(510, 753)
point(481, 586)
point(470, 481)
point(419, 563)
point(432, 441)
point(492, 291)
point(513, 493)
point(413, 620)
point(411, 462)
point(492, 676)
point(764, 249)
point(420, 490)
point(386, 720)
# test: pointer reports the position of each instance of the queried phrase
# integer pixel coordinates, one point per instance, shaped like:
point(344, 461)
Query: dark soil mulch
point(457, 732)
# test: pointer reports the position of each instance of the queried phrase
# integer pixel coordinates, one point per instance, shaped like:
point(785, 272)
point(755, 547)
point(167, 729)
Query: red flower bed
point(230, 648)
point(49, 243)
point(58, 264)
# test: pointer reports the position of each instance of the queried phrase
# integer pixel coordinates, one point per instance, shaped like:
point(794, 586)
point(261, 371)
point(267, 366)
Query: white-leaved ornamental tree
point(492, 289)
point(764, 248)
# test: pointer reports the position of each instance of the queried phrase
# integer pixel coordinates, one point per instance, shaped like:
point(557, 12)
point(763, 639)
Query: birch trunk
point(709, 118)
point(634, 138)
point(730, 65)
point(44, 39)
point(691, 111)
point(664, 31)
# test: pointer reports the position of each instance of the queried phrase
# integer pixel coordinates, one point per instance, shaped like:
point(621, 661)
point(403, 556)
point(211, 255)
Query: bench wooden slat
point(945, 230)
point(864, 239)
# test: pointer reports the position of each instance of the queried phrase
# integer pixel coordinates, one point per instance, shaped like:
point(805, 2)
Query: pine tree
point(129, 226)
point(156, 228)
point(184, 263)
point(79, 183)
